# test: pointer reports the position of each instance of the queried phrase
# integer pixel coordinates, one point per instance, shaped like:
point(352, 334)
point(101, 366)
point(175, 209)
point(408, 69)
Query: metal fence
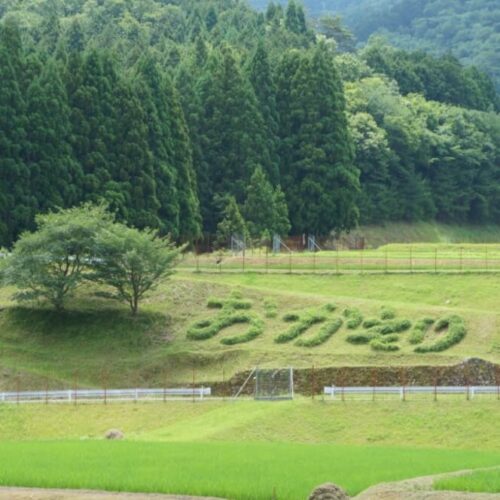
point(404, 392)
point(102, 395)
point(407, 259)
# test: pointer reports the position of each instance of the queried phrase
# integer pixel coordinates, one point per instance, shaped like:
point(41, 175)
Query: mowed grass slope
point(97, 342)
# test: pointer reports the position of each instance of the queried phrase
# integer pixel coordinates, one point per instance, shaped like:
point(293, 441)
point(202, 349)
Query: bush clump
point(291, 317)
point(380, 345)
point(213, 303)
point(354, 318)
point(361, 338)
point(387, 313)
point(371, 322)
point(256, 329)
point(231, 303)
point(330, 307)
point(326, 331)
point(206, 329)
point(396, 326)
point(303, 325)
point(455, 334)
point(420, 328)
point(270, 309)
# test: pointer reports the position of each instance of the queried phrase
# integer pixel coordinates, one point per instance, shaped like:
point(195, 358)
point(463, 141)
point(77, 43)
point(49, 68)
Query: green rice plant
point(256, 329)
point(354, 318)
point(361, 338)
point(380, 345)
point(291, 317)
point(371, 322)
point(302, 326)
point(231, 303)
point(482, 481)
point(455, 334)
point(396, 326)
point(393, 337)
point(387, 313)
point(325, 332)
point(420, 328)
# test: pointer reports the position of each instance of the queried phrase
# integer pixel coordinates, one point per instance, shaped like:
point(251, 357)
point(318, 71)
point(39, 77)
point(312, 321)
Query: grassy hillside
point(96, 343)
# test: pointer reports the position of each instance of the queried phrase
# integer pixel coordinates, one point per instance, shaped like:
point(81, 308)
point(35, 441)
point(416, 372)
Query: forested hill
point(469, 29)
point(210, 117)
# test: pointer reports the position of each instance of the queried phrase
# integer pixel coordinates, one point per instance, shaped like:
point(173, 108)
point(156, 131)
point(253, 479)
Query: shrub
point(330, 307)
point(326, 331)
point(206, 329)
point(396, 326)
point(256, 329)
point(379, 345)
point(291, 317)
point(456, 333)
point(370, 323)
point(354, 318)
point(303, 325)
point(271, 309)
point(387, 313)
point(361, 338)
point(419, 330)
point(214, 303)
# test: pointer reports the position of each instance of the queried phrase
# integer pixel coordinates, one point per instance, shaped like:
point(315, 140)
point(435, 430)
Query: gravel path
point(42, 494)
point(420, 488)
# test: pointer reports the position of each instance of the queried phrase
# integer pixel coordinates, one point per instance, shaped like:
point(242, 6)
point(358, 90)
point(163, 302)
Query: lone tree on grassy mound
point(132, 262)
point(53, 261)
point(84, 244)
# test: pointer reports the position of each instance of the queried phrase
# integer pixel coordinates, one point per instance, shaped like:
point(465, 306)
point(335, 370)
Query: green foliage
point(232, 224)
point(382, 345)
point(361, 338)
point(371, 322)
point(271, 308)
point(291, 317)
point(131, 262)
point(354, 318)
point(420, 328)
point(256, 329)
point(51, 263)
point(305, 322)
point(325, 332)
point(456, 332)
point(387, 313)
point(395, 326)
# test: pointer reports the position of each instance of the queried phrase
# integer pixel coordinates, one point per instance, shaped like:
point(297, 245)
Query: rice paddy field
point(477, 482)
point(246, 450)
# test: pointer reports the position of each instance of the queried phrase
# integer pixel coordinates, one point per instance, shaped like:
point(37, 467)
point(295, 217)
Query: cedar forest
point(192, 117)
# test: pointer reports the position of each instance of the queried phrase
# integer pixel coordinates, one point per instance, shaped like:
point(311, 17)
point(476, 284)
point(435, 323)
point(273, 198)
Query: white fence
point(103, 395)
point(403, 391)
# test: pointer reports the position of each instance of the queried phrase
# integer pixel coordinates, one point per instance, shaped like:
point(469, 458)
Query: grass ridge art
point(381, 334)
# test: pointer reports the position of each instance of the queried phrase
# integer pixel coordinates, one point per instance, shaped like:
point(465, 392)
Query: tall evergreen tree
point(15, 202)
point(232, 142)
point(320, 179)
point(55, 176)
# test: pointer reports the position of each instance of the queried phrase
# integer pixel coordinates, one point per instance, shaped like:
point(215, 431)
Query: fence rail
point(103, 395)
point(402, 392)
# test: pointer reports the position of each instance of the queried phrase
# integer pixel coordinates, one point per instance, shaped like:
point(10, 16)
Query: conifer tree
point(15, 202)
point(231, 224)
point(321, 181)
point(281, 224)
point(55, 176)
point(232, 126)
point(259, 208)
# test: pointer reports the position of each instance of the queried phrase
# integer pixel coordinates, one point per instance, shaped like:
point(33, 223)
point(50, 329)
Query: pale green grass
point(246, 471)
point(478, 482)
point(447, 423)
point(97, 342)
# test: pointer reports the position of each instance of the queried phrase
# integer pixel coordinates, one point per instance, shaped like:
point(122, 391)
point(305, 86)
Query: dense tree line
point(195, 117)
point(467, 28)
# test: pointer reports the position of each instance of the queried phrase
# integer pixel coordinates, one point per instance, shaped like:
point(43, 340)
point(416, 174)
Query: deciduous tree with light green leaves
point(131, 262)
point(51, 263)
